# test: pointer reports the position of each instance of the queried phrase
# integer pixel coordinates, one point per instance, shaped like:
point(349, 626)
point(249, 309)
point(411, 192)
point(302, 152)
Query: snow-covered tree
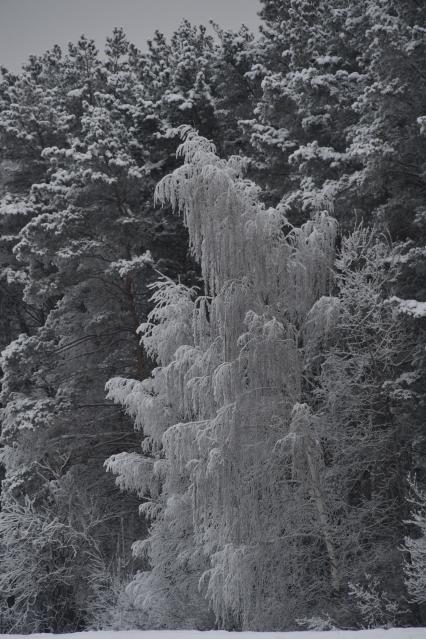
point(271, 451)
point(226, 405)
point(310, 78)
point(286, 407)
point(79, 278)
point(85, 142)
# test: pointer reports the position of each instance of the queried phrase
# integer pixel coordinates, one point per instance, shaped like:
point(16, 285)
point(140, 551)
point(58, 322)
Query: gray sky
point(32, 26)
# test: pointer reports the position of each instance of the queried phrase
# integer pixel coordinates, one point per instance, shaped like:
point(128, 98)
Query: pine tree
point(276, 375)
point(86, 242)
point(83, 251)
point(311, 77)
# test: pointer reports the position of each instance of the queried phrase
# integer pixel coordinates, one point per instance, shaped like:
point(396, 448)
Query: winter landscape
point(212, 327)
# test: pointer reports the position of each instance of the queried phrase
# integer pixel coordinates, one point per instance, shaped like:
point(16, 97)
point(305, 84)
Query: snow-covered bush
point(375, 606)
point(415, 546)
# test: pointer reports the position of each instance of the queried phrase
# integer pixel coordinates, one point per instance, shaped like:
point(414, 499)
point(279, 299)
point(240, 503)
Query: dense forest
point(213, 301)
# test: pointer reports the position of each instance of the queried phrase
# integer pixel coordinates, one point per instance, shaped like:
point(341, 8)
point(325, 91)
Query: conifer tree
point(276, 376)
point(87, 143)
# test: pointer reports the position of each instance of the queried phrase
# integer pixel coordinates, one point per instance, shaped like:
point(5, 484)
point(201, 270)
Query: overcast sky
point(32, 26)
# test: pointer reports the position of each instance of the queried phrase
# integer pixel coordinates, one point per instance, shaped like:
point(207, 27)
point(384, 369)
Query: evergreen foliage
point(254, 301)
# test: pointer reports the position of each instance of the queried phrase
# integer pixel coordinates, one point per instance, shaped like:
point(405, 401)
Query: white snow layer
point(394, 633)
point(410, 307)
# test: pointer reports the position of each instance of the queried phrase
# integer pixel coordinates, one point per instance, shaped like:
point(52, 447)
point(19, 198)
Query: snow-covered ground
point(395, 633)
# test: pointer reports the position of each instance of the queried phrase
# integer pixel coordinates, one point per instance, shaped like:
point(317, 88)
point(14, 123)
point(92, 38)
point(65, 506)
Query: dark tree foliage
point(326, 110)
